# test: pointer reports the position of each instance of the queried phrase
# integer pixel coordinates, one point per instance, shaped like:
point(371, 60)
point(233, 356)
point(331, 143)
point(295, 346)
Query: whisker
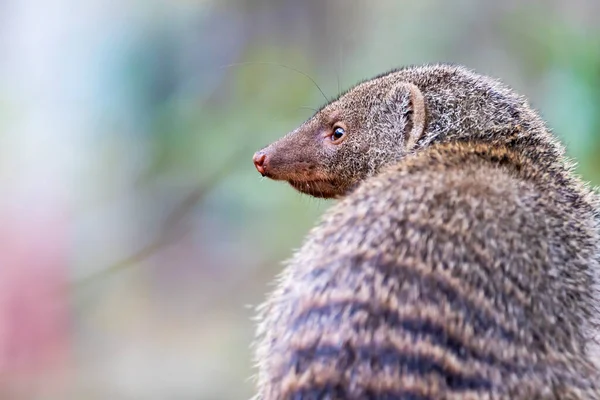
point(339, 69)
point(278, 65)
point(308, 108)
point(337, 75)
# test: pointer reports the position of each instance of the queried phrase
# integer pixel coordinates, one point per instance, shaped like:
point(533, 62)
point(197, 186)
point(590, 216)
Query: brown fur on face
point(314, 162)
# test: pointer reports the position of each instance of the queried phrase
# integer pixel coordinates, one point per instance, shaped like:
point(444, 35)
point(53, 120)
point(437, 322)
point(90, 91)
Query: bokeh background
point(136, 236)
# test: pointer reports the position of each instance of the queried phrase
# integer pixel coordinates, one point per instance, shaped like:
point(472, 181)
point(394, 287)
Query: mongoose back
point(459, 262)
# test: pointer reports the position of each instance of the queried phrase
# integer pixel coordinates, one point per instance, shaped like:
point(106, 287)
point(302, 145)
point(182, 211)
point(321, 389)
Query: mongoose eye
point(338, 133)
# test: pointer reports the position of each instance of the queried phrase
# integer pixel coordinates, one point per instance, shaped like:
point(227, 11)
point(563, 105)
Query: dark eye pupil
point(338, 133)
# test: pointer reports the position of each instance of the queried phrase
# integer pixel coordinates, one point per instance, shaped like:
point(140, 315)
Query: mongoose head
point(347, 140)
point(379, 121)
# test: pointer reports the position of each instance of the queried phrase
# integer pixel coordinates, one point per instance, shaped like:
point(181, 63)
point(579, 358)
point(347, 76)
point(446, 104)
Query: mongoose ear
point(407, 100)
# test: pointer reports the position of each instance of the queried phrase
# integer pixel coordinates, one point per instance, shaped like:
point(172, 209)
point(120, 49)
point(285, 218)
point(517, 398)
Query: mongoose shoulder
point(459, 263)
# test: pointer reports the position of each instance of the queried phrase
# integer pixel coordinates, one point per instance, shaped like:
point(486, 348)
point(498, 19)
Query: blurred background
point(136, 237)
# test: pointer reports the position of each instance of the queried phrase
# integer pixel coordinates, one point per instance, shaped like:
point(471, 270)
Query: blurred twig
point(168, 233)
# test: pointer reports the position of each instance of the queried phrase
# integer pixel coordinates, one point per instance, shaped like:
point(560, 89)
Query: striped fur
point(464, 271)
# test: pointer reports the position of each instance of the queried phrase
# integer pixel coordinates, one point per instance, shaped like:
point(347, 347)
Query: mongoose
point(458, 263)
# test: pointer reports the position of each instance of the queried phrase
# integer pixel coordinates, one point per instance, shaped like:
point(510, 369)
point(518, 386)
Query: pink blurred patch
point(34, 312)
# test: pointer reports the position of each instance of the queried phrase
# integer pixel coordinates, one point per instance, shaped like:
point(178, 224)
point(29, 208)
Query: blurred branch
point(168, 234)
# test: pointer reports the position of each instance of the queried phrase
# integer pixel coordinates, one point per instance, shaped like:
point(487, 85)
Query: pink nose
point(259, 162)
